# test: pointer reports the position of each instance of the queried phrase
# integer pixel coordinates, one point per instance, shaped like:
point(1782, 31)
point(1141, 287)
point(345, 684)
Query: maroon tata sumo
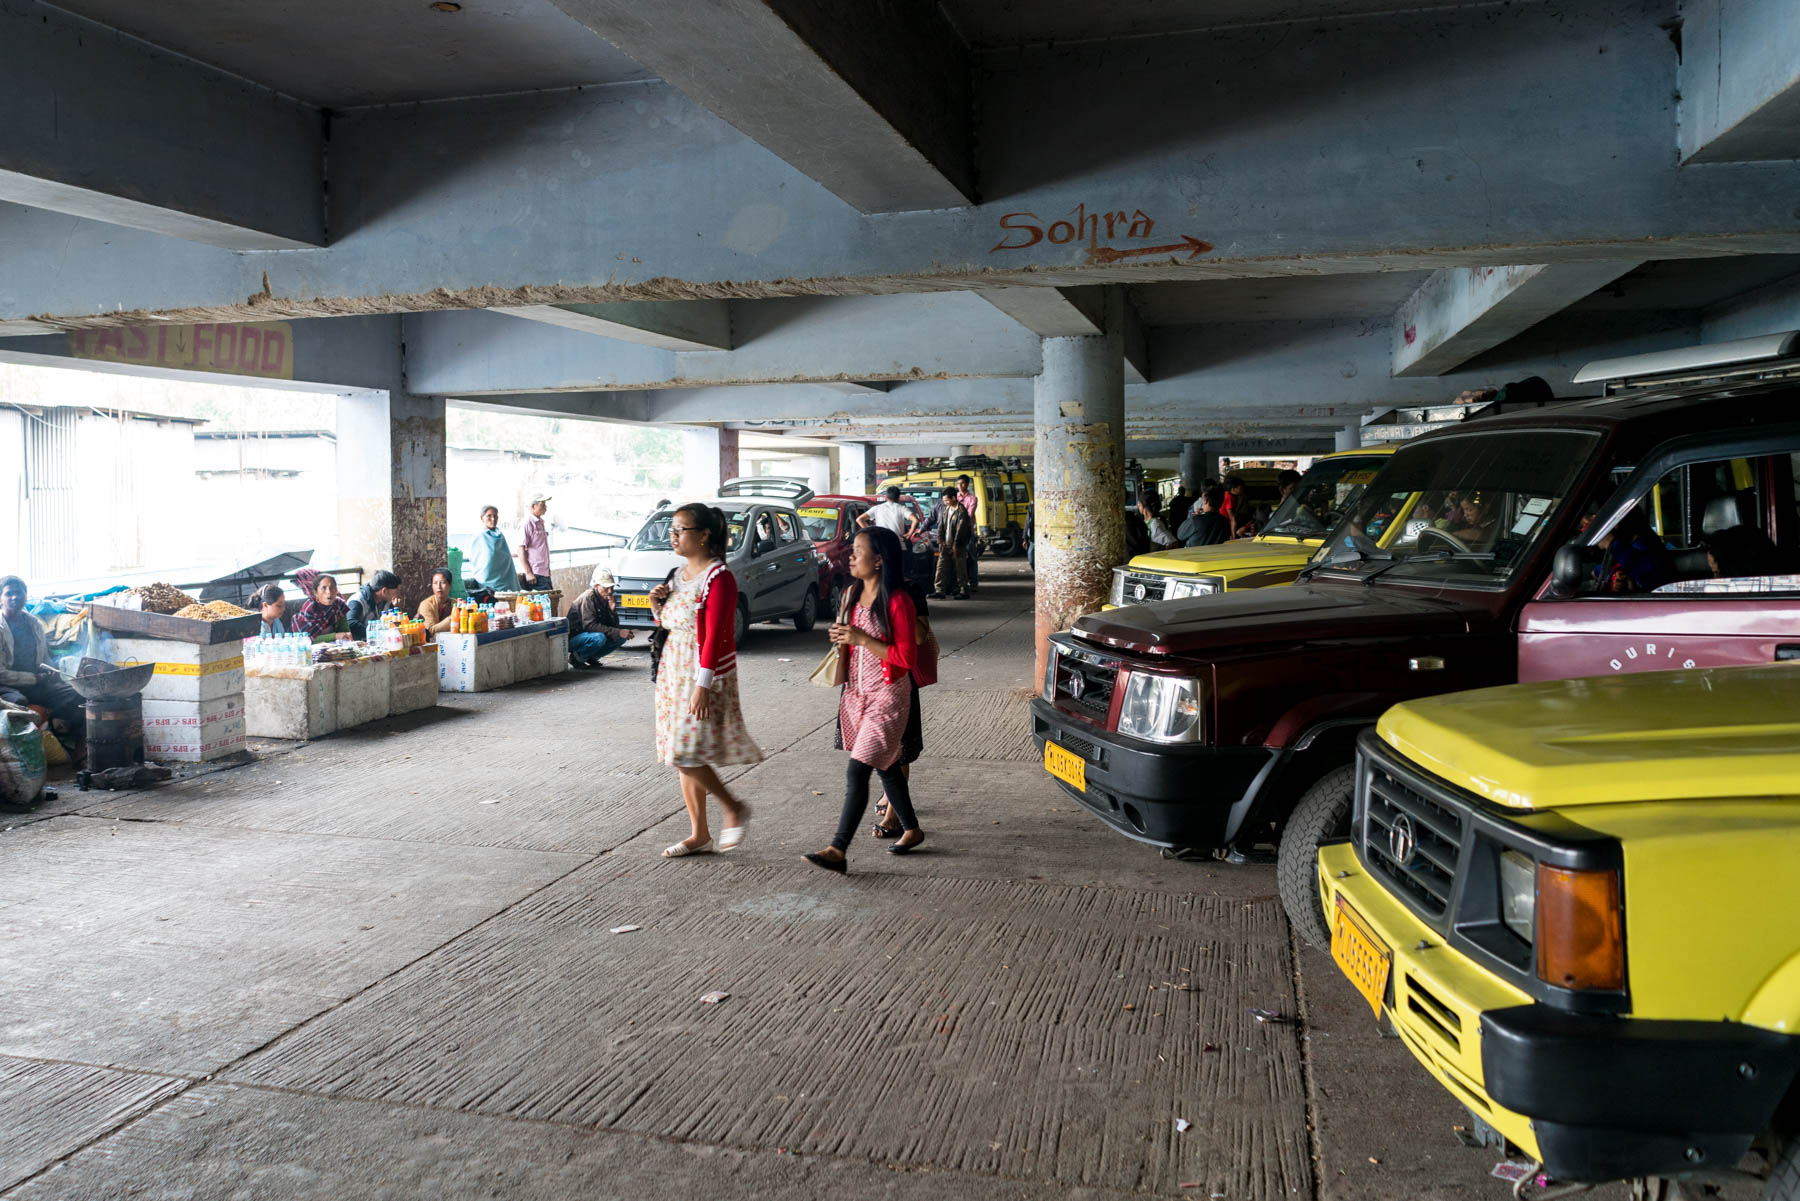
point(1655, 529)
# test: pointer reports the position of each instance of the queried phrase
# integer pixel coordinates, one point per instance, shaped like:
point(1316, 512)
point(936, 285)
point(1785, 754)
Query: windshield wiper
point(1442, 556)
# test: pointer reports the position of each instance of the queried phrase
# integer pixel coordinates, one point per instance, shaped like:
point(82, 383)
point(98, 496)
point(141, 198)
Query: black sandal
point(881, 831)
point(904, 848)
point(840, 866)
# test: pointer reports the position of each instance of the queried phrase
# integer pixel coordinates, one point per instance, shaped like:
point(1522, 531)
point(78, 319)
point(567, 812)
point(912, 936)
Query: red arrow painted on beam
point(1107, 254)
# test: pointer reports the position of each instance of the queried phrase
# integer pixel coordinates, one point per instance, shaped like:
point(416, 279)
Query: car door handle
point(1787, 651)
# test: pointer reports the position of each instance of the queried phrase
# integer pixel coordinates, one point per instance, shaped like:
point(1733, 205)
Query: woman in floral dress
point(699, 723)
point(877, 699)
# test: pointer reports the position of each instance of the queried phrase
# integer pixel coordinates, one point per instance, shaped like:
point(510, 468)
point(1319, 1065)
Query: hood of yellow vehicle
point(1229, 558)
point(1652, 736)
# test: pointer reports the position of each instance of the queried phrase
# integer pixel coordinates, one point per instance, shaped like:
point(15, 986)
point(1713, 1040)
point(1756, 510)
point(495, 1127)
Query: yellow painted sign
point(1356, 477)
point(192, 669)
point(262, 348)
point(824, 513)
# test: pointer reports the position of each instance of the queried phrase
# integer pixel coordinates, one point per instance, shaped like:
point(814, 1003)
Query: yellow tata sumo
point(1578, 901)
point(1296, 529)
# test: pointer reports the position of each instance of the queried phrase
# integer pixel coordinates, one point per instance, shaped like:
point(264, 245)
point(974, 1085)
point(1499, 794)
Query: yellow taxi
point(1578, 901)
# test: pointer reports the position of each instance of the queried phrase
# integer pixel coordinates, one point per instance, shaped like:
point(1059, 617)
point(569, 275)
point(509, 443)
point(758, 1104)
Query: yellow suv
point(1296, 529)
point(1578, 901)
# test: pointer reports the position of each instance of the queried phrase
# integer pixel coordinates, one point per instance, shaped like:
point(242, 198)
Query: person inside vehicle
point(374, 598)
point(1475, 523)
point(26, 678)
point(273, 603)
point(1634, 559)
point(1742, 551)
point(1205, 526)
point(765, 533)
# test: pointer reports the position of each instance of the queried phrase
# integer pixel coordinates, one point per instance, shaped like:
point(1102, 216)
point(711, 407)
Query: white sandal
point(681, 849)
point(731, 836)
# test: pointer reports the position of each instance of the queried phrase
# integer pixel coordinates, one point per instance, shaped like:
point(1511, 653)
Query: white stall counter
point(481, 662)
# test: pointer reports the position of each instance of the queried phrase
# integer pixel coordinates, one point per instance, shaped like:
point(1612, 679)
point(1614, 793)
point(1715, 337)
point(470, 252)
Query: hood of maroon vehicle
point(1301, 613)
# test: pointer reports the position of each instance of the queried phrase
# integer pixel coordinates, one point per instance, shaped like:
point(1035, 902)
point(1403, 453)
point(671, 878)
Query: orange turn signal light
point(1580, 928)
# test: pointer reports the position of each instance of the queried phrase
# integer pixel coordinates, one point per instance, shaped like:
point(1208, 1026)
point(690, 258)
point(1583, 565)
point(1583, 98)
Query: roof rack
point(1745, 358)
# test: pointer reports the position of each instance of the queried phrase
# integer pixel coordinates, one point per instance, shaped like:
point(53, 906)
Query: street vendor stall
point(344, 684)
point(496, 658)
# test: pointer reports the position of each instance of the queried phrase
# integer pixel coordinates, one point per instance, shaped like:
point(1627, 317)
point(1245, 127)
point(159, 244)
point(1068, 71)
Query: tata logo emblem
point(1401, 841)
point(1077, 684)
point(1139, 592)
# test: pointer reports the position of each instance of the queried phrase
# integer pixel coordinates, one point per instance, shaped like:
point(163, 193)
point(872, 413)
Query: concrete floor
point(379, 965)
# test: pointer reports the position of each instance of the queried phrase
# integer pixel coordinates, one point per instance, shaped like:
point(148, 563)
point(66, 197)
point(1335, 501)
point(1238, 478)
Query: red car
point(830, 521)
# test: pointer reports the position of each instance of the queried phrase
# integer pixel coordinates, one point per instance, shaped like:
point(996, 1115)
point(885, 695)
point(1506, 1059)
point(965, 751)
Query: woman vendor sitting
point(438, 611)
point(490, 559)
point(324, 617)
point(24, 649)
point(273, 603)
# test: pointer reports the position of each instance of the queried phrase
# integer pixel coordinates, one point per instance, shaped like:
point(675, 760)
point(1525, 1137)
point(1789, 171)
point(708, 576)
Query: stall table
point(312, 701)
point(481, 662)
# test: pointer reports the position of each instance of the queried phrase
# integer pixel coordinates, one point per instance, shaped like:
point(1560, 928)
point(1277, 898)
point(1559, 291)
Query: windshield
point(1462, 511)
point(820, 523)
point(1325, 493)
point(655, 534)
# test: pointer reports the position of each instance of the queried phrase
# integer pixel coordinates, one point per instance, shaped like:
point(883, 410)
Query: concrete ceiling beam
point(664, 324)
point(872, 101)
point(636, 192)
point(1071, 313)
point(1461, 313)
point(1740, 81)
point(106, 128)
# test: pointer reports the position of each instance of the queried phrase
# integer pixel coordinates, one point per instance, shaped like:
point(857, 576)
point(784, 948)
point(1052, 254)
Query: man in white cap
point(534, 548)
point(594, 629)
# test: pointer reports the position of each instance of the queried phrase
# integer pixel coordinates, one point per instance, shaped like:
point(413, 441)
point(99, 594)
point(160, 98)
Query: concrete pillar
point(1194, 466)
point(856, 468)
point(1078, 404)
point(390, 453)
point(1350, 437)
point(709, 457)
point(958, 452)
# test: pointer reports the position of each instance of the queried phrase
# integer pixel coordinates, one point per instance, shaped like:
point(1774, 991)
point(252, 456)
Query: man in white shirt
point(890, 514)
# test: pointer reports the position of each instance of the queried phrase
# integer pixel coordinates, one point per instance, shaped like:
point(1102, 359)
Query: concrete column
point(1078, 403)
point(1350, 437)
point(709, 457)
point(1195, 466)
point(390, 452)
point(856, 468)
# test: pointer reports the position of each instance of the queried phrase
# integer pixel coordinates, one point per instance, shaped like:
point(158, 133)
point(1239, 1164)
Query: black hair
point(1743, 550)
point(445, 572)
point(949, 493)
point(710, 519)
point(963, 479)
point(384, 579)
point(1151, 501)
point(1286, 476)
point(893, 493)
point(268, 594)
point(1233, 481)
point(10, 581)
point(312, 593)
point(890, 580)
point(1213, 496)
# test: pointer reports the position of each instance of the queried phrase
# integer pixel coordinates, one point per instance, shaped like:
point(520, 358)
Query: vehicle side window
point(1707, 528)
point(787, 527)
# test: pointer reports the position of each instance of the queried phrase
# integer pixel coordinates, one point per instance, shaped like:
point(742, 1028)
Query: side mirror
point(1571, 568)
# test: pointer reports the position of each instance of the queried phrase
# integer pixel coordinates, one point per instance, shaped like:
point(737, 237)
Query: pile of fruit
point(161, 598)
point(212, 611)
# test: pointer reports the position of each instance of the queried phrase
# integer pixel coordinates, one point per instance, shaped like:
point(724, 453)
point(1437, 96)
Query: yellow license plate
point(632, 601)
point(1361, 955)
point(1066, 766)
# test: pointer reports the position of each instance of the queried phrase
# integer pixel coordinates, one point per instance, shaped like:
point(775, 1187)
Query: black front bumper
point(1170, 796)
point(1611, 1098)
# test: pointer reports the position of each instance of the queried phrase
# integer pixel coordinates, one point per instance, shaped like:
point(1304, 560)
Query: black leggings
point(856, 800)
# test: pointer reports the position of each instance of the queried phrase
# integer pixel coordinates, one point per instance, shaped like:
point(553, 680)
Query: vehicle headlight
point(1518, 894)
point(1160, 708)
point(1050, 672)
point(1117, 596)
point(1196, 585)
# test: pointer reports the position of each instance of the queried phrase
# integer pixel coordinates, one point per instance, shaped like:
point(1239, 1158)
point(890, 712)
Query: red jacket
point(903, 638)
point(718, 627)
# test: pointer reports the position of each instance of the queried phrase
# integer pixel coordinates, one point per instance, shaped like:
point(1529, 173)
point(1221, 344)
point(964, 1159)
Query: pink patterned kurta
point(683, 741)
point(872, 714)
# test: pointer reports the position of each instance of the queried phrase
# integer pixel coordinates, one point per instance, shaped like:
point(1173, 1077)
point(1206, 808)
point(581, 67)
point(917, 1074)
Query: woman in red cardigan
point(699, 723)
point(881, 640)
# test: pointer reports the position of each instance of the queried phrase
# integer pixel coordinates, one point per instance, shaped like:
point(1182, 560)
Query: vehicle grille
point(1151, 585)
point(1085, 686)
point(1399, 816)
point(1080, 746)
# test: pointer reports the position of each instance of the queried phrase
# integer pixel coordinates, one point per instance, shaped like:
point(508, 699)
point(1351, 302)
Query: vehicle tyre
point(742, 626)
point(1322, 815)
point(809, 611)
point(1001, 545)
point(835, 603)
